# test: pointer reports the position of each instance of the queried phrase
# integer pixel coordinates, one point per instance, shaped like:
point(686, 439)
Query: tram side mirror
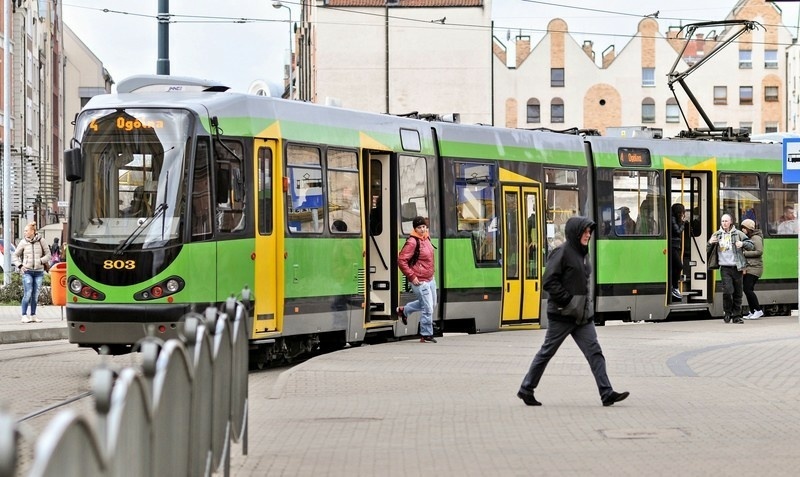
point(408, 211)
point(73, 169)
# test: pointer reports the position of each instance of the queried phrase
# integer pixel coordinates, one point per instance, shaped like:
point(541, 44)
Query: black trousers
point(732, 281)
point(749, 282)
point(676, 267)
point(585, 337)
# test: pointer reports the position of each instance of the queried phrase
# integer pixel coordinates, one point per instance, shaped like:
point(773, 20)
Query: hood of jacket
point(574, 231)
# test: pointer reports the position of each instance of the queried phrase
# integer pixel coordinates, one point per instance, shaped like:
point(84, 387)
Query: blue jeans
point(31, 283)
point(425, 302)
point(585, 337)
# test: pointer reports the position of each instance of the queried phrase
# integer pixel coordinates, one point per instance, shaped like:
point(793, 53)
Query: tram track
point(54, 407)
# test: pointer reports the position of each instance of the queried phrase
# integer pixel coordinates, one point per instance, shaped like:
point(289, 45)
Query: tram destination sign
point(791, 160)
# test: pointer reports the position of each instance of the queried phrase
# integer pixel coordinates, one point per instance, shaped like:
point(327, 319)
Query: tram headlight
point(163, 289)
point(173, 285)
point(75, 286)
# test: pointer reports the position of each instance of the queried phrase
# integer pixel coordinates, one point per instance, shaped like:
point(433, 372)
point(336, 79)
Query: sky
point(237, 42)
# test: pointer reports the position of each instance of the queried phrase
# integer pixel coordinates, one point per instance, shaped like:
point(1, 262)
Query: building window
point(746, 127)
point(771, 59)
point(534, 111)
point(673, 111)
point(720, 95)
point(745, 95)
point(771, 127)
point(557, 110)
point(648, 110)
point(557, 77)
point(770, 93)
point(745, 59)
point(648, 76)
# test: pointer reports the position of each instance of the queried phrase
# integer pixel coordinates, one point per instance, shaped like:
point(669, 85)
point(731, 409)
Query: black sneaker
point(726, 318)
point(615, 397)
point(528, 399)
point(738, 321)
point(402, 314)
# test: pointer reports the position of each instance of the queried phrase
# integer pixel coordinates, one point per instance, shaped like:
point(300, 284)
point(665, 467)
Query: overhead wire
point(177, 18)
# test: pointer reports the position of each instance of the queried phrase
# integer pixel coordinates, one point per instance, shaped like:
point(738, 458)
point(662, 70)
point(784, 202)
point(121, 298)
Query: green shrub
point(11, 294)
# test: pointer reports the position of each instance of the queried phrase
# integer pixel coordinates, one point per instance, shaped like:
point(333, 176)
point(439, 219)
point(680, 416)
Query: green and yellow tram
point(184, 194)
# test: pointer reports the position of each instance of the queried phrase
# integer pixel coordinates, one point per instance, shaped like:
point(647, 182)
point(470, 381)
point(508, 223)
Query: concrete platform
point(53, 326)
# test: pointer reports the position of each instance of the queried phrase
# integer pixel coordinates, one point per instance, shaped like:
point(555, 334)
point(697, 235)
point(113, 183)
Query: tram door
point(379, 244)
point(522, 254)
point(690, 189)
point(268, 276)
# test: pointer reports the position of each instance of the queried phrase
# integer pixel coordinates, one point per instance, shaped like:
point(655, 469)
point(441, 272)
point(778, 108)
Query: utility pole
point(162, 66)
point(6, 142)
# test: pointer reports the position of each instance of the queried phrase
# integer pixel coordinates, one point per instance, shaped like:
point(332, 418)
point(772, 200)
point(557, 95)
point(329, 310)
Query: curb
point(41, 334)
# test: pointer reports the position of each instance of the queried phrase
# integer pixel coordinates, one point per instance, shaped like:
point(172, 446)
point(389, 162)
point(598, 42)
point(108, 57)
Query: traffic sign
point(791, 160)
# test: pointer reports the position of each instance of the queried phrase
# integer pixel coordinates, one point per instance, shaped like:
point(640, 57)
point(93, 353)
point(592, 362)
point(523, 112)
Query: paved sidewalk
point(52, 326)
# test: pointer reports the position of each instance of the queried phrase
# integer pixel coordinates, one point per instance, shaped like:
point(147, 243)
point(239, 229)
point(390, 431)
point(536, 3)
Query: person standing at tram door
point(755, 267)
point(725, 251)
point(570, 312)
point(416, 263)
point(676, 248)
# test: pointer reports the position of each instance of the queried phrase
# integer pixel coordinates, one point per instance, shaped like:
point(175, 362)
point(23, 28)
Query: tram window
point(413, 189)
point(344, 206)
point(376, 201)
point(475, 208)
point(202, 227)
point(639, 205)
point(230, 187)
point(305, 202)
point(781, 207)
point(265, 190)
point(561, 202)
point(739, 196)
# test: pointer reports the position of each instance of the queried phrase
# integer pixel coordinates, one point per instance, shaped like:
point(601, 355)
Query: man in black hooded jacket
point(570, 311)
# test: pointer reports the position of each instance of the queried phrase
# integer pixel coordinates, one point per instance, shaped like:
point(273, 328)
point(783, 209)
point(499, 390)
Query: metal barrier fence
point(177, 416)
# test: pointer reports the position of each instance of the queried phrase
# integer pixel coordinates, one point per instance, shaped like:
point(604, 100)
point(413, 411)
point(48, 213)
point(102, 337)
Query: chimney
point(587, 48)
point(608, 56)
point(523, 48)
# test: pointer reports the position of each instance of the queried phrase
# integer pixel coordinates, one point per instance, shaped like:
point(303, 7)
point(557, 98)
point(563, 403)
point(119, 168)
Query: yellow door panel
point(268, 292)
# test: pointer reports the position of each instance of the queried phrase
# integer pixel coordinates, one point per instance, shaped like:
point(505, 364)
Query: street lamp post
point(278, 4)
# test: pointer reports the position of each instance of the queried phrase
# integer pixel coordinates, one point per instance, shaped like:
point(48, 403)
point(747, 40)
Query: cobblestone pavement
point(707, 398)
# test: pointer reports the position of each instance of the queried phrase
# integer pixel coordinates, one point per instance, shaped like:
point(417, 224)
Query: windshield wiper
point(160, 210)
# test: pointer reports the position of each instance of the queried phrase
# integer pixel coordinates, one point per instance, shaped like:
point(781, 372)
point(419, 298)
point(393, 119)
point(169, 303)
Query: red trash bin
point(58, 283)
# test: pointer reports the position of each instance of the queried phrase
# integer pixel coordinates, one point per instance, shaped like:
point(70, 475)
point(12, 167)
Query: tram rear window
point(634, 157)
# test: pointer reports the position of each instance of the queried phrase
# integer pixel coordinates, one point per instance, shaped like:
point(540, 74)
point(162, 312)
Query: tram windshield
point(132, 190)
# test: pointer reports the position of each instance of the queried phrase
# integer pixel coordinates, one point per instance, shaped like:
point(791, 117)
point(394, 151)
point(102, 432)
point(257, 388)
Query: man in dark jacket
point(570, 312)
